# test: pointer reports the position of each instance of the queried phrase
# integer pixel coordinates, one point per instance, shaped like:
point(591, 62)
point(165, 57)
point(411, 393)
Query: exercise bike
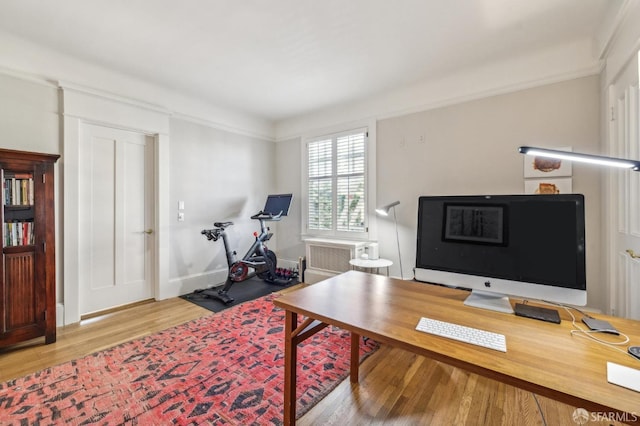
point(259, 260)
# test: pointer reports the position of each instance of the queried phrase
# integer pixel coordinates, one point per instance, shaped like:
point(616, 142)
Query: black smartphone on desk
point(537, 312)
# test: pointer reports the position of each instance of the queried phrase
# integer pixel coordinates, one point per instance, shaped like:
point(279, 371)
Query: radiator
point(326, 258)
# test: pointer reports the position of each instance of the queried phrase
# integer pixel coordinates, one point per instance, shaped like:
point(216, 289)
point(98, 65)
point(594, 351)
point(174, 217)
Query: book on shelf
point(18, 189)
point(18, 234)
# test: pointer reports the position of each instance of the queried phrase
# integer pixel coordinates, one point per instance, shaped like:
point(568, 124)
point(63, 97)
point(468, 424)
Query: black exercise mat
point(241, 292)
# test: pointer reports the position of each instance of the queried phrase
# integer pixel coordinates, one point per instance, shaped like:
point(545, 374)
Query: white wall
point(289, 180)
point(30, 121)
point(471, 148)
point(220, 176)
point(29, 115)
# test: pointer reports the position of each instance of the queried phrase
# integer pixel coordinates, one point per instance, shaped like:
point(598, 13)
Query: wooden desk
point(543, 358)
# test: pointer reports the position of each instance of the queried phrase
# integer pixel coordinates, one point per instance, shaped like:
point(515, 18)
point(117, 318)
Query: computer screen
point(530, 246)
point(278, 203)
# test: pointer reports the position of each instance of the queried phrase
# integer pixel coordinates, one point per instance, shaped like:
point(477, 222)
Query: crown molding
point(498, 90)
point(312, 122)
point(67, 85)
point(25, 76)
point(224, 127)
point(612, 32)
point(105, 95)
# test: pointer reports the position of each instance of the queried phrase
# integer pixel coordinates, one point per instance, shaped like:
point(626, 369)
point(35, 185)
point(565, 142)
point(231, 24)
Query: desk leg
point(355, 357)
point(290, 367)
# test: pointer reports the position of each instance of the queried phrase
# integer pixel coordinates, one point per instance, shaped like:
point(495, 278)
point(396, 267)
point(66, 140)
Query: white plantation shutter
point(350, 182)
point(320, 187)
point(336, 182)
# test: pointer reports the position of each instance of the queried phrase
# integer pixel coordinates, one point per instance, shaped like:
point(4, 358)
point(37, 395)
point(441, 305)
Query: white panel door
point(116, 205)
point(625, 142)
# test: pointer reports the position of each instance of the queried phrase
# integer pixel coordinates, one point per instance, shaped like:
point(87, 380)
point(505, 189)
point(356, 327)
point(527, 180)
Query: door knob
point(633, 254)
point(148, 231)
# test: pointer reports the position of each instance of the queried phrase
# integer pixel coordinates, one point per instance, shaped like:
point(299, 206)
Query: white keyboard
point(461, 333)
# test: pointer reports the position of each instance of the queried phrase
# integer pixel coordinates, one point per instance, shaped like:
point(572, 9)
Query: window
point(336, 184)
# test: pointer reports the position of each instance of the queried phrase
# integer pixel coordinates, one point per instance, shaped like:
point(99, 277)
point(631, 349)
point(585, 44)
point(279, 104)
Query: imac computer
point(278, 203)
point(528, 246)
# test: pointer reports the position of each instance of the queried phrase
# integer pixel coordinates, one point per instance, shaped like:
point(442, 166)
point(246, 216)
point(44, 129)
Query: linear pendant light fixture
point(583, 158)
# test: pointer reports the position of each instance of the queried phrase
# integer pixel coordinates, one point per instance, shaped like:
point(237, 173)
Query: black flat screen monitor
point(278, 203)
point(529, 246)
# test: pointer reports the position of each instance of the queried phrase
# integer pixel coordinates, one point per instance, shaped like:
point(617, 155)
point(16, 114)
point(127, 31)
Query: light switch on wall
point(180, 205)
point(180, 216)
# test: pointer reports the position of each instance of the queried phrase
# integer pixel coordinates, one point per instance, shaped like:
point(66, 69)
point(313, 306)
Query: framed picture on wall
point(540, 167)
point(548, 186)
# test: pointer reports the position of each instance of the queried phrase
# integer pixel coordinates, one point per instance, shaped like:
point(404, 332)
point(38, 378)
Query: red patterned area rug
point(226, 368)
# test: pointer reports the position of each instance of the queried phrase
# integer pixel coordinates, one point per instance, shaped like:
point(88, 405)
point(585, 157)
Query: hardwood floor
point(396, 387)
point(400, 388)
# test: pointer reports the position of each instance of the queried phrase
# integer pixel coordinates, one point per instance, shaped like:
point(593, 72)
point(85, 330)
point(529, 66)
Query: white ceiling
point(278, 59)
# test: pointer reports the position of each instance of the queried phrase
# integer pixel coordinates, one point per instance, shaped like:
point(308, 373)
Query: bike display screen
point(278, 203)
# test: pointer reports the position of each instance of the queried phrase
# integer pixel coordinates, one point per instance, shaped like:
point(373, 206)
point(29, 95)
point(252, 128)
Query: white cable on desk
point(579, 331)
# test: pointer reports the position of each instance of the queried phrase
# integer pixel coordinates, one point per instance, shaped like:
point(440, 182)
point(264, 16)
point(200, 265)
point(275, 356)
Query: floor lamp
point(384, 211)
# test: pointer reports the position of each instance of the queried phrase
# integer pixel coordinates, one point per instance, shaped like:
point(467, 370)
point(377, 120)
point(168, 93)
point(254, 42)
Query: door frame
point(85, 106)
point(616, 300)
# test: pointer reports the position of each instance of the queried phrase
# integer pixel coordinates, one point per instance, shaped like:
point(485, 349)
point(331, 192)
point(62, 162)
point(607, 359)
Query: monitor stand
point(492, 301)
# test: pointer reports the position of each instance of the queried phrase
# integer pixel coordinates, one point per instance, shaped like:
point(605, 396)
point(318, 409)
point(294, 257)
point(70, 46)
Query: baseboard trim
point(96, 314)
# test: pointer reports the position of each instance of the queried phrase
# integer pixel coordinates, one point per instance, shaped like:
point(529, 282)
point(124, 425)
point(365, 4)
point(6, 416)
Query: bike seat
point(222, 224)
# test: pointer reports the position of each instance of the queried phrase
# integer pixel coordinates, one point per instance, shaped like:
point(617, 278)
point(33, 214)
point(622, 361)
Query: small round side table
point(370, 265)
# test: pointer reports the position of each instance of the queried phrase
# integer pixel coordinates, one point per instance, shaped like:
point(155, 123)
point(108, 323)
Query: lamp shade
point(583, 158)
point(384, 210)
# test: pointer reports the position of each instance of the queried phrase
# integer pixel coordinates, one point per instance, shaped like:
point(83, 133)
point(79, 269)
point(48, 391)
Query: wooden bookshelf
point(27, 269)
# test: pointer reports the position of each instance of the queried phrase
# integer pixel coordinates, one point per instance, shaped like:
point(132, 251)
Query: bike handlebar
point(267, 216)
point(211, 234)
